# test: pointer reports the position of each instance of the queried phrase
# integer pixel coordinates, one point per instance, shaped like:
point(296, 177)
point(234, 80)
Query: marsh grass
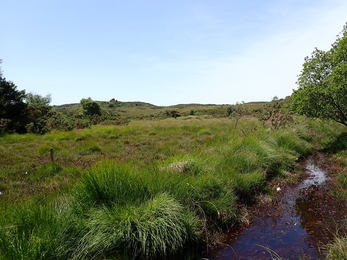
point(45, 171)
point(292, 143)
point(156, 229)
point(147, 190)
point(184, 165)
point(109, 183)
point(337, 250)
point(33, 231)
point(211, 197)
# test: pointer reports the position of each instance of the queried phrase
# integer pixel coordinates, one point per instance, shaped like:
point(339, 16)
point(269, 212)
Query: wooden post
point(52, 154)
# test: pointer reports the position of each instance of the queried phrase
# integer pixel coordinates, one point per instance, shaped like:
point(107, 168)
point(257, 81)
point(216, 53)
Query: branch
point(343, 117)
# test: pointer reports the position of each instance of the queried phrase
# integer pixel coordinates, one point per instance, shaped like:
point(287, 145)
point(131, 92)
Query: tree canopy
point(322, 91)
point(38, 112)
point(90, 107)
point(31, 98)
point(0, 69)
point(21, 112)
point(12, 106)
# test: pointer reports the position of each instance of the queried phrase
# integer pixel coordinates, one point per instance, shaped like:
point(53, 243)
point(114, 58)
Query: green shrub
point(37, 127)
point(90, 107)
point(4, 125)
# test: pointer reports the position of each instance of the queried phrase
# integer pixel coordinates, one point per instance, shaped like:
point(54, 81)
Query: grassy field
point(147, 190)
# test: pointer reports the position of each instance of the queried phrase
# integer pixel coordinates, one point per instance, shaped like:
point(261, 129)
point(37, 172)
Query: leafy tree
point(275, 98)
point(31, 98)
point(12, 106)
point(90, 107)
point(38, 112)
point(322, 91)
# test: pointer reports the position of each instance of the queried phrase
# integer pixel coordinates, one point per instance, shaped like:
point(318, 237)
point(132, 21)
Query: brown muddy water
point(297, 226)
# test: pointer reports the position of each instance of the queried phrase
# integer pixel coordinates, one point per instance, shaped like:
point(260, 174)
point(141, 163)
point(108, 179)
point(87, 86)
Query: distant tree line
point(22, 112)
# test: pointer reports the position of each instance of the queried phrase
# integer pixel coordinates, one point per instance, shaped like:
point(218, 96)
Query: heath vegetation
point(129, 180)
point(150, 189)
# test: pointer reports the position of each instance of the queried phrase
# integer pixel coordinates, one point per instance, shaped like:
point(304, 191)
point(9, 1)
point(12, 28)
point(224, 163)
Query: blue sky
point(163, 52)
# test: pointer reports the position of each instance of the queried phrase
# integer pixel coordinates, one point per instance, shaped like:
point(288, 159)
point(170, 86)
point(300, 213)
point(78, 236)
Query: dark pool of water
point(298, 226)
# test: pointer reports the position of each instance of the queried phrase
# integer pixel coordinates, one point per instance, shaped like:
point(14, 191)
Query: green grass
point(111, 184)
point(159, 227)
point(338, 249)
point(31, 230)
point(147, 190)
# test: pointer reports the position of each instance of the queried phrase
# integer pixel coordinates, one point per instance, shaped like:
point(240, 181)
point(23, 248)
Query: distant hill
point(131, 103)
point(141, 110)
point(140, 103)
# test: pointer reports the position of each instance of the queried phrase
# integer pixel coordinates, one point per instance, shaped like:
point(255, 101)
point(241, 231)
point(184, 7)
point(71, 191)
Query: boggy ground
point(110, 179)
point(296, 223)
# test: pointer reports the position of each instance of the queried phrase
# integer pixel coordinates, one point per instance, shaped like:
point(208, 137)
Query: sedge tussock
point(157, 228)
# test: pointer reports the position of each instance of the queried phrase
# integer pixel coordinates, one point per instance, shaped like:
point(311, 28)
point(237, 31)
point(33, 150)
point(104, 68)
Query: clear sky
point(163, 52)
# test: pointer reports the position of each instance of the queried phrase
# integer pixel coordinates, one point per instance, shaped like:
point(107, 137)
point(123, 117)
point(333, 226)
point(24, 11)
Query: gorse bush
point(38, 112)
point(70, 121)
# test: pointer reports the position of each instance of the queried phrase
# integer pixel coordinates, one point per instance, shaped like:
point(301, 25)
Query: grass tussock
point(157, 229)
point(111, 184)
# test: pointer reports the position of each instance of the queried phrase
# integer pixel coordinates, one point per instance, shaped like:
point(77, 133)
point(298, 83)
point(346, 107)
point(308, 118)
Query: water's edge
point(296, 226)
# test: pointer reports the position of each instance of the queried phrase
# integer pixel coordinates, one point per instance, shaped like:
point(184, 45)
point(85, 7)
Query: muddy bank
point(298, 224)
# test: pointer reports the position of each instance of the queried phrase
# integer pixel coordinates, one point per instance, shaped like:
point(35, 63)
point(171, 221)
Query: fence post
point(52, 154)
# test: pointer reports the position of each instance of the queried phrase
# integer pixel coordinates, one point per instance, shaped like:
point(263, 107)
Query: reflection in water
point(293, 228)
point(317, 176)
